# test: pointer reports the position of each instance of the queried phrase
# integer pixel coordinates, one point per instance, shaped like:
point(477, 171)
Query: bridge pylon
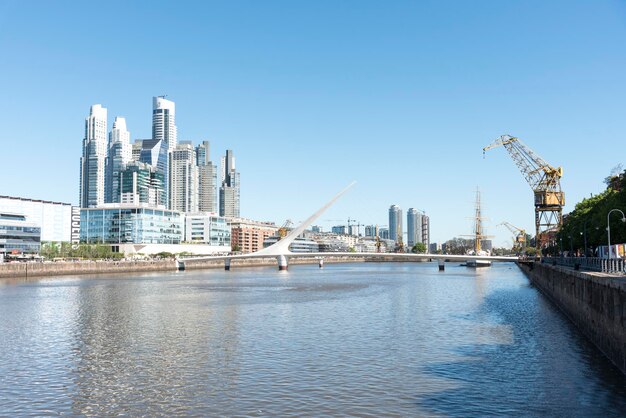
point(282, 263)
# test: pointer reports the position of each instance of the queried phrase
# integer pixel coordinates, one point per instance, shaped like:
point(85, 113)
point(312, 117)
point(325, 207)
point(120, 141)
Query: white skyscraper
point(414, 227)
point(93, 161)
point(395, 224)
point(164, 121)
point(120, 154)
point(183, 171)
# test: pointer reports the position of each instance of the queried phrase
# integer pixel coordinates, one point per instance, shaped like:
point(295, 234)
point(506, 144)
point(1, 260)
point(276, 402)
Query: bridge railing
point(604, 265)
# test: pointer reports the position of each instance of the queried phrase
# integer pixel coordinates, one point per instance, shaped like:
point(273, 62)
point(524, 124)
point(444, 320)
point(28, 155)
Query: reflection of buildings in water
point(489, 327)
point(142, 343)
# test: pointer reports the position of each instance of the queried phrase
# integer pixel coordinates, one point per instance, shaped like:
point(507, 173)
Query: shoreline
point(72, 268)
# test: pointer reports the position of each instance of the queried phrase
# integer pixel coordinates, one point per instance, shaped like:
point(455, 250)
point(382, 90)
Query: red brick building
point(247, 235)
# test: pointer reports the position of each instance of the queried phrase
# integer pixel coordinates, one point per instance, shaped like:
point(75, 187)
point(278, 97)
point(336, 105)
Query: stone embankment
point(27, 270)
point(595, 302)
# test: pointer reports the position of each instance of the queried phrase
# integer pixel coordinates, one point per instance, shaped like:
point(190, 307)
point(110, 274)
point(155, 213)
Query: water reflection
point(361, 339)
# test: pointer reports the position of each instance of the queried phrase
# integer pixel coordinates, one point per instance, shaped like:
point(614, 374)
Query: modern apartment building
point(413, 227)
point(248, 236)
point(207, 179)
point(136, 149)
point(120, 153)
point(229, 190)
point(154, 152)
point(142, 183)
point(395, 224)
point(183, 184)
point(164, 121)
point(339, 229)
point(93, 160)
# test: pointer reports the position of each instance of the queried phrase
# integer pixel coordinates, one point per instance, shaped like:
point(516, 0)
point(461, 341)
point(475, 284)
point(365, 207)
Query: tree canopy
point(589, 218)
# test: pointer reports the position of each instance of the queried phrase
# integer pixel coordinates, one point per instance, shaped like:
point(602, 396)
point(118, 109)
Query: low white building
point(207, 228)
point(299, 245)
point(147, 230)
point(54, 218)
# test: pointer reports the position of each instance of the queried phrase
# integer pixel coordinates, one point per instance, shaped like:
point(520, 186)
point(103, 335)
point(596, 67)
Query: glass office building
point(54, 218)
point(207, 228)
point(137, 224)
point(17, 236)
point(142, 183)
point(299, 245)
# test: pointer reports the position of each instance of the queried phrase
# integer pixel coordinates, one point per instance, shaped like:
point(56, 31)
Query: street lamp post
point(584, 243)
point(584, 234)
point(608, 226)
point(571, 246)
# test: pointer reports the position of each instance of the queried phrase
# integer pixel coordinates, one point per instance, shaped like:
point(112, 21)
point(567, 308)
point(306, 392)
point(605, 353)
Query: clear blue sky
point(400, 96)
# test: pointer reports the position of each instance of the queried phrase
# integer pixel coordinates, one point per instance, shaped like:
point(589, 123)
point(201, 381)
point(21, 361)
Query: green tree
point(419, 248)
point(588, 219)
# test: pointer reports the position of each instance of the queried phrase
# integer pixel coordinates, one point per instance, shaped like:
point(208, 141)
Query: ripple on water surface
point(359, 339)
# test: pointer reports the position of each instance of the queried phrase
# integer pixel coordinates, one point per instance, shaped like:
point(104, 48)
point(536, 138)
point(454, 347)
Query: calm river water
point(351, 339)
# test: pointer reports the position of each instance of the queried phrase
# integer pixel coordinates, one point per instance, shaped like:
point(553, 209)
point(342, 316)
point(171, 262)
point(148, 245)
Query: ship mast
point(478, 226)
point(479, 234)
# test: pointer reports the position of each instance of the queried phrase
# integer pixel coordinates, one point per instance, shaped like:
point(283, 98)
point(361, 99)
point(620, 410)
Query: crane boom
point(520, 234)
point(538, 173)
point(545, 181)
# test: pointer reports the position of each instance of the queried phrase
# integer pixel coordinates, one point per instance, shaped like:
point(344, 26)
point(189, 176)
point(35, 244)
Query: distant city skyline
point(160, 171)
point(403, 101)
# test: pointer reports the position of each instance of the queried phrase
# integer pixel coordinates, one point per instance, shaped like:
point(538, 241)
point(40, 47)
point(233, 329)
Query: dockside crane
point(282, 231)
point(545, 181)
point(519, 233)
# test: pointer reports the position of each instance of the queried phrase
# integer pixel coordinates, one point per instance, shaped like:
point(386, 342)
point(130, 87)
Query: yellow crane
point(520, 234)
point(544, 179)
point(282, 231)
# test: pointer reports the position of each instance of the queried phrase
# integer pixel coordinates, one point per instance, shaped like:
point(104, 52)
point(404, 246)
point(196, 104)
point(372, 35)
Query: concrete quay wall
point(596, 304)
point(27, 270)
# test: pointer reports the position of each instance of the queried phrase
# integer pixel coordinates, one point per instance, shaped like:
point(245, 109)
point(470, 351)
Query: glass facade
point(299, 245)
point(155, 153)
point(18, 236)
point(130, 225)
point(207, 229)
point(395, 224)
point(143, 184)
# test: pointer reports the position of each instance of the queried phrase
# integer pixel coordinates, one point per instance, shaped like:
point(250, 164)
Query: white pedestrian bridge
point(280, 250)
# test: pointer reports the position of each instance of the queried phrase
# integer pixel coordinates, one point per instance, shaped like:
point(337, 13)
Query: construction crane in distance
point(282, 231)
point(545, 181)
point(358, 226)
point(519, 233)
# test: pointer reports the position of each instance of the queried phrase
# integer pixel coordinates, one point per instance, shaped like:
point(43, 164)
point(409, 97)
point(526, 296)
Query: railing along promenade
point(604, 265)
